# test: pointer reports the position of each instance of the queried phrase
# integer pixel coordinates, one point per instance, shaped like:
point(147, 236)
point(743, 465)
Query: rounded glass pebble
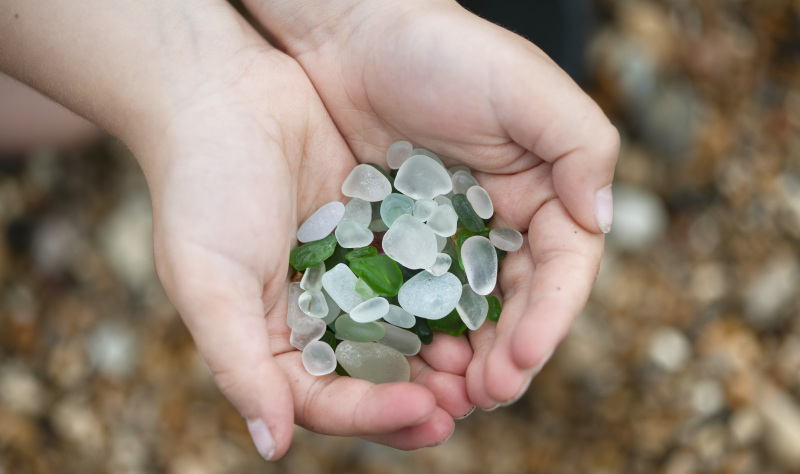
point(351, 235)
point(376, 363)
point(509, 240)
point(410, 243)
point(321, 223)
point(443, 262)
point(312, 277)
point(367, 183)
point(340, 283)
point(333, 309)
point(429, 154)
point(480, 264)
point(394, 206)
point(406, 342)
point(398, 153)
point(454, 169)
point(370, 310)
point(423, 209)
point(319, 358)
point(399, 317)
point(481, 202)
point(421, 177)
point(294, 312)
point(313, 304)
point(472, 308)
point(462, 181)
point(305, 331)
point(358, 210)
point(429, 296)
point(441, 242)
point(443, 201)
point(350, 330)
point(443, 221)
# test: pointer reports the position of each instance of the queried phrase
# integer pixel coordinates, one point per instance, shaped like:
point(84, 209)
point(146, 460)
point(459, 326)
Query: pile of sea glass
point(408, 254)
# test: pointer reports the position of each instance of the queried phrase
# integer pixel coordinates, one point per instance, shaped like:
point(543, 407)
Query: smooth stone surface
point(429, 296)
point(443, 201)
point(313, 304)
point(405, 342)
point(472, 307)
point(358, 210)
point(462, 181)
point(340, 283)
point(366, 291)
point(347, 329)
point(319, 358)
point(294, 312)
point(410, 243)
point(306, 330)
point(376, 363)
point(380, 272)
point(480, 264)
point(370, 310)
point(421, 177)
point(333, 309)
point(423, 209)
point(509, 240)
point(398, 153)
point(443, 262)
point(481, 202)
point(399, 317)
point(321, 223)
point(443, 221)
point(312, 277)
point(367, 183)
point(394, 206)
point(351, 234)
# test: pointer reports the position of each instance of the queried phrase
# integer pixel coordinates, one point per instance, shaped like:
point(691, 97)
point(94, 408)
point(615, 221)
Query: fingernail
point(446, 439)
point(262, 438)
point(468, 414)
point(604, 209)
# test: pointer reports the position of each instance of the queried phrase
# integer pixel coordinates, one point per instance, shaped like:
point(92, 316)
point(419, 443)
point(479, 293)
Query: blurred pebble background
point(686, 359)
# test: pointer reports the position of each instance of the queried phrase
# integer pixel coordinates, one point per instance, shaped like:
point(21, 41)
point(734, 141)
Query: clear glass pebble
point(443, 262)
point(319, 358)
point(321, 223)
point(333, 309)
point(340, 283)
point(394, 206)
point(370, 310)
point(421, 177)
point(429, 154)
point(367, 183)
point(441, 242)
point(509, 240)
point(399, 317)
point(455, 168)
point(480, 264)
point(472, 308)
point(373, 362)
point(398, 153)
point(349, 330)
point(429, 296)
point(358, 210)
point(313, 304)
point(406, 342)
point(352, 235)
point(294, 312)
point(443, 221)
point(443, 201)
point(306, 330)
point(423, 209)
point(481, 202)
point(363, 289)
point(312, 277)
point(410, 243)
point(462, 181)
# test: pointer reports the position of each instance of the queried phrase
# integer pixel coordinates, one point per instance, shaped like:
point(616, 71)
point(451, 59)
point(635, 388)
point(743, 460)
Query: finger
point(447, 353)
point(434, 431)
point(450, 390)
point(481, 340)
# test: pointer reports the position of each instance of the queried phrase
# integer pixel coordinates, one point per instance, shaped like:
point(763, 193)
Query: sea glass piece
point(340, 283)
point(313, 304)
point(405, 342)
point(462, 237)
point(481, 202)
point(455, 168)
point(294, 312)
point(333, 309)
point(358, 210)
point(423, 330)
point(383, 172)
point(351, 234)
point(367, 183)
point(421, 177)
point(366, 291)
point(466, 213)
point(443, 201)
point(443, 262)
point(370, 310)
point(472, 308)
point(375, 363)
point(319, 358)
point(494, 308)
point(399, 317)
point(440, 243)
point(350, 330)
point(377, 225)
point(443, 221)
point(312, 277)
point(428, 296)
point(306, 330)
point(312, 253)
point(462, 181)
point(509, 240)
point(450, 324)
point(394, 206)
point(423, 209)
point(361, 253)
point(457, 270)
point(398, 153)
point(380, 272)
point(410, 243)
point(429, 154)
point(480, 264)
point(321, 223)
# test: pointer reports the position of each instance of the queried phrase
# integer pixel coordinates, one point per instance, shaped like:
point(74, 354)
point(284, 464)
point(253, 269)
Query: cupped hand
point(245, 160)
point(444, 79)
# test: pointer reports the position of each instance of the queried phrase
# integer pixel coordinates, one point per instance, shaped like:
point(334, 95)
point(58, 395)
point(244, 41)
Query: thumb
point(223, 309)
point(544, 111)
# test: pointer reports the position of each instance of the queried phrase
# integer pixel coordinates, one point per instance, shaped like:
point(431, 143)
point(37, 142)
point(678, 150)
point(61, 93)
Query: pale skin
point(238, 149)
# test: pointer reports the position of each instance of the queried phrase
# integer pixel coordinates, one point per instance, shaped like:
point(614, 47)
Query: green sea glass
point(349, 330)
point(312, 253)
point(380, 272)
point(466, 214)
